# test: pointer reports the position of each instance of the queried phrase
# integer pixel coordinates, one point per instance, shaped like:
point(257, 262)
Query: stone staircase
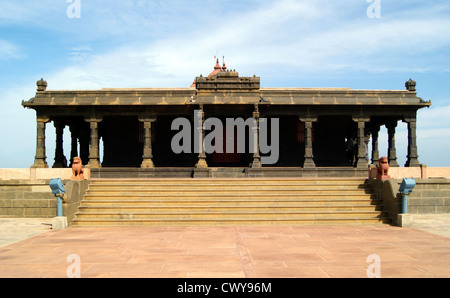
point(228, 201)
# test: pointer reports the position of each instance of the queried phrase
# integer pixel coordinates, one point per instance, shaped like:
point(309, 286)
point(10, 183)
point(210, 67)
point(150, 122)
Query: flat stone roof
point(182, 96)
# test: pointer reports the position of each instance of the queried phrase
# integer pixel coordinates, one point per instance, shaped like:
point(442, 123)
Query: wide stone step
point(236, 202)
point(229, 188)
point(216, 201)
point(215, 181)
point(223, 215)
point(213, 222)
point(230, 208)
point(210, 192)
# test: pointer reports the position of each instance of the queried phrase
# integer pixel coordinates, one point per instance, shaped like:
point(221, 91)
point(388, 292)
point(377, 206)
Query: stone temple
point(322, 132)
point(225, 151)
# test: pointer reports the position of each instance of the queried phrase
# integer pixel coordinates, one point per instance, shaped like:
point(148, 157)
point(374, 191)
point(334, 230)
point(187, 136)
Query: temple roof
point(224, 86)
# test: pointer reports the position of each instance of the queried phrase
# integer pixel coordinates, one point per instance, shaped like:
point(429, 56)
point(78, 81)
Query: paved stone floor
point(29, 249)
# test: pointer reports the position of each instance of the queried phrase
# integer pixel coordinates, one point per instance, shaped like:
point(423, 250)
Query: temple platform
point(227, 172)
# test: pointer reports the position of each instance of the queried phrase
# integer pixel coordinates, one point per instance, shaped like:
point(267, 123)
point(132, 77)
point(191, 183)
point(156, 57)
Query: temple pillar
point(412, 157)
point(361, 161)
point(375, 152)
point(74, 143)
point(392, 152)
point(256, 155)
point(199, 126)
point(40, 158)
point(94, 154)
point(60, 159)
point(309, 156)
point(147, 157)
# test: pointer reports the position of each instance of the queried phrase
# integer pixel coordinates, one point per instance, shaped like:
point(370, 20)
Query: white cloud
point(280, 33)
point(9, 50)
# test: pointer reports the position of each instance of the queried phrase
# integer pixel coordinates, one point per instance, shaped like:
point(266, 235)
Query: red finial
point(224, 68)
point(217, 68)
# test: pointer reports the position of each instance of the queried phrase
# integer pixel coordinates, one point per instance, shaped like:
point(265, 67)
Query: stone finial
point(410, 85)
point(41, 85)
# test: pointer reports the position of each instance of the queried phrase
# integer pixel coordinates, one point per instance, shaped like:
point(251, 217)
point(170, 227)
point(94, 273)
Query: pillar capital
point(93, 119)
point(42, 119)
point(360, 119)
point(147, 119)
point(307, 119)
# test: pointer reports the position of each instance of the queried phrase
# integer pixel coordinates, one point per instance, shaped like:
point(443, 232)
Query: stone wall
point(27, 199)
point(75, 191)
point(39, 174)
point(430, 196)
point(34, 198)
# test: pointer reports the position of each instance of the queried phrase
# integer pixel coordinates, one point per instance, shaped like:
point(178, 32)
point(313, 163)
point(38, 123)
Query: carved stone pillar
point(413, 157)
point(94, 154)
point(309, 156)
point(60, 159)
point(74, 143)
point(361, 156)
point(392, 152)
point(147, 157)
point(375, 152)
point(256, 155)
point(40, 157)
point(199, 126)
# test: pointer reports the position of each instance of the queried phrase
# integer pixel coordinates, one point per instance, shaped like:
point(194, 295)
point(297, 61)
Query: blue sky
point(288, 43)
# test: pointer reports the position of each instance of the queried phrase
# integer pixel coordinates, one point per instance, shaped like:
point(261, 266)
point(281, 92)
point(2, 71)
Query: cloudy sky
point(92, 44)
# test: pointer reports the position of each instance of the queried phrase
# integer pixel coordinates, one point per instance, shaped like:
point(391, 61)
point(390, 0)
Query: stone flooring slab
point(228, 252)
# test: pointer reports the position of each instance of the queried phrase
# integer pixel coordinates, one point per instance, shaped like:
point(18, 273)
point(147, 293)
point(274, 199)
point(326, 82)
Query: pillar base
point(256, 163)
point(39, 164)
point(201, 164)
point(93, 164)
point(147, 164)
point(309, 163)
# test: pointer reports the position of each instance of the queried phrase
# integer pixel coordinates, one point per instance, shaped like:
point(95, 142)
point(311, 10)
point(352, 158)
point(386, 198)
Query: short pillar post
point(60, 159)
point(309, 156)
point(40, 157)
point(256, 155)
point(200, 132)
point(375, 152)
point(147, 157)
point(94, 154)
point(361, 161)
point(392, 152)
point(413, 157)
